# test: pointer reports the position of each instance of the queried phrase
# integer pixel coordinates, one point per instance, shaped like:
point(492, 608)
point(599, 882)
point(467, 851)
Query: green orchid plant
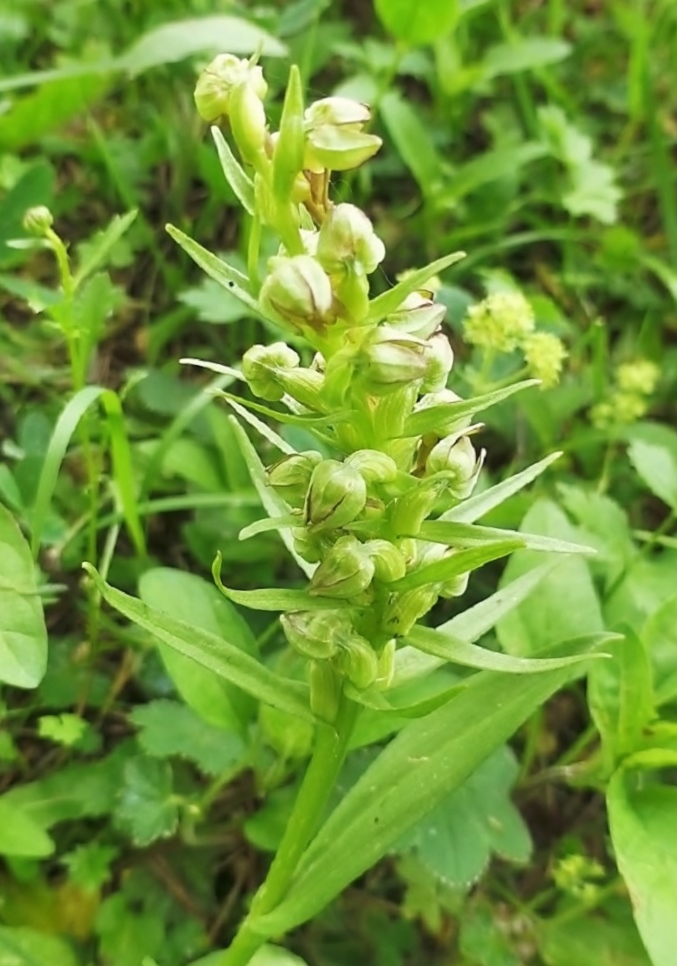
point(380, 517)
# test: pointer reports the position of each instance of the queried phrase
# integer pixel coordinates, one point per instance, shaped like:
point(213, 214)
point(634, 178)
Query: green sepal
point(391, 300)
point(428, 420)
point(239, 181)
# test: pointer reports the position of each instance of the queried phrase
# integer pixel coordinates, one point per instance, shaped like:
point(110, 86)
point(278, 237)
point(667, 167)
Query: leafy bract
point(428, 420)
point(220, 656)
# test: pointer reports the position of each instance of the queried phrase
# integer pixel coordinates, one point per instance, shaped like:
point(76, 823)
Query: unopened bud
point(336, 496)
point(304, 385)
point(309, 546)
point(457, 459)
point(405, 609)
point(334, 136)
point(290, 476)
point(440, 361)
point(260, 367)
point(444, 397)
point(345, 572)
point(391, 359)
point(347, 236)
point(389, 564)
point(297, 291)
point(373, 465)
point(38, 220)
point(248, 122)
point(325, 690)
point(316, 634)
point(358, 661)
point(455, 587)
point(219, 79)
point(418, 315)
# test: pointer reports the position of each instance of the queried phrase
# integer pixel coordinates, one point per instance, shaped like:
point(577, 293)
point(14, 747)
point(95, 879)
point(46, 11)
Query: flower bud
point(336, 496)
point(290, 476)
point(334, 136)
point(409, 511)
point(373, 465)
point(248, 122)
point(455, 587)
point(38, 220)
point(391, 359)
point(418, 315)
point(325, 690)
point(219, 79)
point(359, 662)
point(317, 634)
point(403, 610)
point(304, 385)
point(348, 236)
point(441, 359)
point(297, 291)
point(457, 459)
point(308, 545)
point(389, 564)
point(260, 367)
point(345, 572)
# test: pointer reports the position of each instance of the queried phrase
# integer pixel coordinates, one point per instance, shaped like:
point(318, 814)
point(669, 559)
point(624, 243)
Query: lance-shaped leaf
point(478, 506)
point(427, 420)
point(470, 625)
point(458, 563)
point(468, 535)
point(102, 245)
point(274, 599)
point(458, 651)
point(223, 658)
point(233, 280)
point(305, 422)
point(268, 524)
point(427, 760)
point(288, 154)
point(239, 181)
point(391, 300)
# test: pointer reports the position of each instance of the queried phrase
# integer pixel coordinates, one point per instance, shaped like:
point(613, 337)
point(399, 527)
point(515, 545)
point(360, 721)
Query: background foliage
point(140, 796)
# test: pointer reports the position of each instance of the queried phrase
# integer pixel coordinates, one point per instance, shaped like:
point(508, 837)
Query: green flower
point(544, 354)
point(639, 376)
point(297, 292)
point(499, 322)
point(334, 136)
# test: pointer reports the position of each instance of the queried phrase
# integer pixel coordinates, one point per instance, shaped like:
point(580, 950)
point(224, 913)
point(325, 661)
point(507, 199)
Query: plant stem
point(318, 783)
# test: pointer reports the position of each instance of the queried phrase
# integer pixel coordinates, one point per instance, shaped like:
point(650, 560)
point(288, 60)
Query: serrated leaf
point(169, 728)
point(643, 824)
point(146, 807)
point(89, 865)
point(456, 840)
point(20, 834)
point(23, 635)
point(213, 652)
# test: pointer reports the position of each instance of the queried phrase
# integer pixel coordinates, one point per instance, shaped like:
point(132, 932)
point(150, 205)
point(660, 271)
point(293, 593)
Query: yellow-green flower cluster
point(544, 355)
point(628, 401)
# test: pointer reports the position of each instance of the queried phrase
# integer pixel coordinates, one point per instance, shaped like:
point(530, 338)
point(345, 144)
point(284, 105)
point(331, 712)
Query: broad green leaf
point(620, 696)
point(482, 503)
point(391, 300)
point(643, 824)
point(239, 181)
point(458, 563)
point(268, 955)
point(647, 586)
point(168, 728)
point(192, 600)
point(129, 929)
point(426, 761)
point(22, 835)
point(598, 939)
point(488, 167)
point(483, 938)
point(48, 108)
point(415, 22)
point(470, 625)
point(179, 39)
point(427, 420)
point(412, 141)
point(659, 635)
point(443, 645)
point(528, 53)
point(456, 840)
point(23, 635)
point(652, 448)
point(211, 651)
point(568, 606)
point(603, 525)
point(469, 535)
point(101, 245)
point(147, 807)
point(20, 946)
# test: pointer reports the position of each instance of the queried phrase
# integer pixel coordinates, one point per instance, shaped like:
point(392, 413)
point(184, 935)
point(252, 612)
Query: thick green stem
point(316, 788)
